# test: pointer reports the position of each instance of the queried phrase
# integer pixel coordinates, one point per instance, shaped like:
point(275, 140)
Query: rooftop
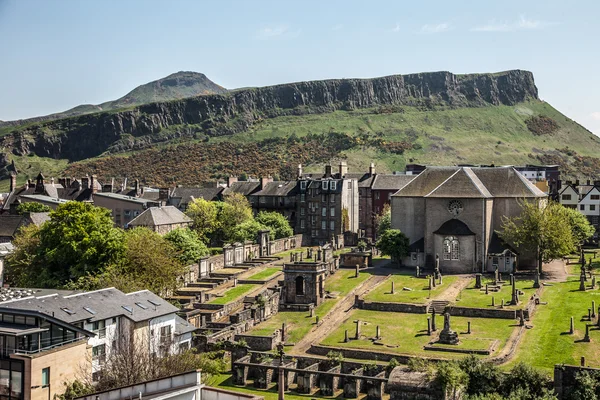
point(156, 216)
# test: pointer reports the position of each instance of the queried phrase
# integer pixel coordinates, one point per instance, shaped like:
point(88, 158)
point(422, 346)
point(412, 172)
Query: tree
point(234, 211)
point(581, 228)
point(32, 207)
point(586, 386)
point(393, 243)
point(247, 230)
point(484, 377)
point(525, 381)
point(451, 378)
point(204, 213)
point(188, 244)
point(384, 220)
point(277, 224)
point(23, 268)
point(545, 230)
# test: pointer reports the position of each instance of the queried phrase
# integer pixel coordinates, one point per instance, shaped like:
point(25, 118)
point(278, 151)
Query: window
point(302, 198)
point(332, 225)
point(332, 212)
point(566, 197)
point(324, 212)
point(323, 198)
point(263, 199)
point(99, 353)
point(333, 185)
point(596, 197)
point(451, 248)
point(323, 225)
point(324, 185)
point(592, 207)
point(302, 224)
point(582, 207)
point(45, 376)
point(127, 213)
point(99, 327)
point(302, 211)
point(299, 286)
point(302, 185)
point(332, 198)
point(376, 195)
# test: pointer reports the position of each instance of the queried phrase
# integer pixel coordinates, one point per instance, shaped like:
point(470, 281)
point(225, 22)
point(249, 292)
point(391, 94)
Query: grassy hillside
point(389, 136)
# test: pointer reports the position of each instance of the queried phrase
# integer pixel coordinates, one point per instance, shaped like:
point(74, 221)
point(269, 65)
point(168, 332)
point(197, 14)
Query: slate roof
point(122, 197)
point(391, 182)
point(151, 196)
point(244, 188)
point(43, 198)
point(38, 218)
point(498, 246)
point(9, 224)
point(105, 303)
point(278, 188)
point(188, 193)
point(482, 182)
point(364, 179)
point(454, 227)
point(156, 216)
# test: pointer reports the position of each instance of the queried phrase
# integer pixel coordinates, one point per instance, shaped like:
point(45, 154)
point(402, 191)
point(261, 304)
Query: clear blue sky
point(57, 54)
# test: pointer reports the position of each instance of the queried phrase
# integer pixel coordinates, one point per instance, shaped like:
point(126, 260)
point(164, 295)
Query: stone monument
point(447, 335)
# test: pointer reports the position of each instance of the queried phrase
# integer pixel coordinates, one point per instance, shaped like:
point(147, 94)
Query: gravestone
point(496, 277)
point(356, 271)
point(594, 282)
point(589, 316)
point(521, 318)
point(433, 328)
point(430, 284)
point(502, 304)
point(441, 281)
point(486, 289)
point(572, 326)
point(493, 302)
point(283, 329)
point(515, 296)
point(469, 327)
point(317, 320)
point(393, 289)
point(447, 335)
point(377, 333)
point(418, 272)
point(586, 338)
point(536, 282)
point(433, 280)
point(582, 283)
point(346, 339)
point(428, 326)
point(357, 334)
point(478, 281)
point(436, 271)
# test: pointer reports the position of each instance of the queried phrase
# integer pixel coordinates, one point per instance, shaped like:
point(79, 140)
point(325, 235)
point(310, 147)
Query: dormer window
point(333, 185)
point(324, 185)
point(303, 185)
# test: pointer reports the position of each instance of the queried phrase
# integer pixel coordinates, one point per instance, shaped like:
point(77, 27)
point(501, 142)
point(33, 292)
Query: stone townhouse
point(452, 213)
point(50, 339)
point(327, 206)
point(181, 197)
point(278, 196)
point(161, 220)
point(123, 208)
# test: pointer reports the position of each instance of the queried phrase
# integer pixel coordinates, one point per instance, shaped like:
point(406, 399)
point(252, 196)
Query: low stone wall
point(261, 343)
point(358, 354)
point(351, 260)
point(393, 307)
point(472, 312)
point(285, 244)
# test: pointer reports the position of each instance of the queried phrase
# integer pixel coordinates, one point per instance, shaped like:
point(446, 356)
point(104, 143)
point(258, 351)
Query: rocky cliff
point(90, 135)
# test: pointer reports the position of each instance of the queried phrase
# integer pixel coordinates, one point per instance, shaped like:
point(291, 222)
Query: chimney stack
point(299, 171)
point(264, 181)
point(231, 179)
point(30, 184)
point(343, 169)
point(13, 181)
point(136, 187)
point(93, 181)
point(85, 182)
point(163, 194)
point(372, 169)
point(68, 182)
point(328, 171)
point(577, 182)
point(39, 184)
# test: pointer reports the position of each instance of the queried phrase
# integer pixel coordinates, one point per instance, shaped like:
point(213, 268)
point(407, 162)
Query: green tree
point(204, 213)
point(32, 207)
point(586, 386)
point(484, 377)
point(581, 228)
point(247, 230)
point(545, 230)
point(234, 211)
point(277, 224)
point(23, 267)
point(525, 382)
point(75, 389)
point(393, 243)
point(188, 244)
point(451, 378)
point(384, 220)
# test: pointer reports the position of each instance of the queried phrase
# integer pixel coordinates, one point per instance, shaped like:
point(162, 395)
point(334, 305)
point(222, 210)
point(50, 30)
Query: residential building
point(10, 224)
point(366, 221)
point(451, 213)
point(123, 208)
point(384, 186)
point(589, 205)
point(569, 196)
point(327, 206)
point(279, 196)
point(181, 197)
point(161, 220)
point(102, 321)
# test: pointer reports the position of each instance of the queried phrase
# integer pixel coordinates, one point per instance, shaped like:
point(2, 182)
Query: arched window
point(451, 248)
point(299, 285)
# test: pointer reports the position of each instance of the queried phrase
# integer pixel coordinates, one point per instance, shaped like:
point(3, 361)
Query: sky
point(55, 55)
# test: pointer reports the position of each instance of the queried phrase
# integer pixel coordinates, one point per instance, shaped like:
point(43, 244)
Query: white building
point(569, 196)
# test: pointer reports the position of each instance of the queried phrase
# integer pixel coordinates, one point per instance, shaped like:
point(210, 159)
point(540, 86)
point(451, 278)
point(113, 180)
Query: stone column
point(428, 326)
point(536, 282)
point(469, 327)
point(586, 338)
point(572, 326)
point(393, 289)
point(433, 328)
point(477, 281)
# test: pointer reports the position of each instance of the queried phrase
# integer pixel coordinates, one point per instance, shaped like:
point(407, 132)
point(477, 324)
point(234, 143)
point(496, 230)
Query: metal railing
point(55, 345)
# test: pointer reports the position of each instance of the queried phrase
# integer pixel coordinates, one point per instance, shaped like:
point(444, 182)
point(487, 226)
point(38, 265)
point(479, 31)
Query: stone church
point(453, 213)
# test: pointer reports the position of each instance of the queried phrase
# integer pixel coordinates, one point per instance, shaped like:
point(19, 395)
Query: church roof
point(498, 246)
point(454, 227)
point(463, 183)
point(481, 182)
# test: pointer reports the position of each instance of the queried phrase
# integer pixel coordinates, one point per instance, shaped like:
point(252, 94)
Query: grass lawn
point(575, 267)
point(300, 323)
point(472, 297)
point(549, 343)
point(265, 273)
point(224, 382)
point(407, 333)
point(233, 293)
point(418, 295)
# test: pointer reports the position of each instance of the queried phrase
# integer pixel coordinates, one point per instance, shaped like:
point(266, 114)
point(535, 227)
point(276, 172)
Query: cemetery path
point(452, 292)
point(338, 313)
point(555, 271)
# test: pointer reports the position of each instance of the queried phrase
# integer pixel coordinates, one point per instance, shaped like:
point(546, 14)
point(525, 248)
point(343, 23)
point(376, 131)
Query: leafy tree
point(393, 243)
point(247, 230)
point(23, 267)
point(484, 377)
point(451, 378)
point(545, 230)
point(277, 223)
point(75, 389)
point(384, 220)
point(189, 245)
point(526, 382)
point(586, 386)
point(204, 213)
point(234, 211)
point(32, 207)
point(581, 228)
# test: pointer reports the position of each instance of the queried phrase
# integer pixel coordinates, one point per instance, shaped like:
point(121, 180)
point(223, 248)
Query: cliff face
point(87, 136)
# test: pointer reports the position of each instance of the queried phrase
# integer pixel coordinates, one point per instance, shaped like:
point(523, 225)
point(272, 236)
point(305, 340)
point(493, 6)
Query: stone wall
point(564, 378)
point(261, 343)
point(358, 354)
point(393, 307)
point(481, 312)
point(352, 259)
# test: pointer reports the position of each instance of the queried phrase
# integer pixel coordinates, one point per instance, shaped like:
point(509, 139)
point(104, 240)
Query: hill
point(433, 118)
point(175, 86)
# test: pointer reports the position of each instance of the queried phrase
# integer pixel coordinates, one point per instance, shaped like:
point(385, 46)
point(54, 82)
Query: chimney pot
point(231, 179)
point(328, 171)
point(343, 169)
point(299, 171)
point(372, 169)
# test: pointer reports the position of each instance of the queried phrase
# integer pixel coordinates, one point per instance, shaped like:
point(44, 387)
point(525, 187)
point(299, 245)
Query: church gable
point(507, 182)
point(463, 183)
point(426, 181)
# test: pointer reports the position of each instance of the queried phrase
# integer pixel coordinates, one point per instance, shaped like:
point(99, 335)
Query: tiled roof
point(391, 182)
point(104, 303)
point(244, 188)
point(426, 181)
point(507, 182)
point(156, 216)
point(278, 188)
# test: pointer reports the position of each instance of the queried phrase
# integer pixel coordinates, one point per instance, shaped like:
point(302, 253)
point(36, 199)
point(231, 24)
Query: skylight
point(140, 305)
point(128, 309)
point(68, 311)
point(154, 302)
point(89, 310)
